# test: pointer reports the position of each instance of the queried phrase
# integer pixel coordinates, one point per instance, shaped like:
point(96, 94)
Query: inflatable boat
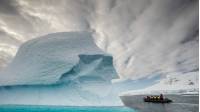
point(156, 99)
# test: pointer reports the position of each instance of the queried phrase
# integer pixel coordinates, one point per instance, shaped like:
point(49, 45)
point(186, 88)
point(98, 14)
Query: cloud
point(152, 37)
point(144, 36)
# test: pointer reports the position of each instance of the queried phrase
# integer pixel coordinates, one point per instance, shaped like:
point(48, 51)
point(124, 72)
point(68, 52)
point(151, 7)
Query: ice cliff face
point(59, 69)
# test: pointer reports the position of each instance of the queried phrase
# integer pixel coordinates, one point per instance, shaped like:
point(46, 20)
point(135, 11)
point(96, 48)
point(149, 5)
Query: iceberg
point(64, 68)
point(44, 60)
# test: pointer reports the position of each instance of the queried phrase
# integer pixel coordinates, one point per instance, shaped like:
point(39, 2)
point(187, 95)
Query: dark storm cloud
point(192, 36)
point(8, 7)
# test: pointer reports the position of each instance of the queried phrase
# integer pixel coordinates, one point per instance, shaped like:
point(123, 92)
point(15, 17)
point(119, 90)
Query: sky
point(145, 37)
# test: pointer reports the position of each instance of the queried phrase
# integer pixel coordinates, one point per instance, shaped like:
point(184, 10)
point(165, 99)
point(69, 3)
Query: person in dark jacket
point(161, 97)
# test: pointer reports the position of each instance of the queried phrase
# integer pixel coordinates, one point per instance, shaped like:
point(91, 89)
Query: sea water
point(31, 108)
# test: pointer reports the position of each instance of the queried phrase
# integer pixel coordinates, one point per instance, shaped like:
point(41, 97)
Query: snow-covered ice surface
point(59, 69)
point(187, 83)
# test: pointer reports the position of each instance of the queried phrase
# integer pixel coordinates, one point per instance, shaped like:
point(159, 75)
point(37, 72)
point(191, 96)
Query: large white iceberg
point(44, 60)
point(60, 69)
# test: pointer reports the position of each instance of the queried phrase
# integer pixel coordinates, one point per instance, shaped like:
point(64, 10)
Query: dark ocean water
point(27, 108)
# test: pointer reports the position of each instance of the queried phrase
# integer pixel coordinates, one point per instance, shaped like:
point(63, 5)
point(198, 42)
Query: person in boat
point(161, 97)
point(154, 97)
point(148, 98)
point(157, 98)
point(151, 98)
